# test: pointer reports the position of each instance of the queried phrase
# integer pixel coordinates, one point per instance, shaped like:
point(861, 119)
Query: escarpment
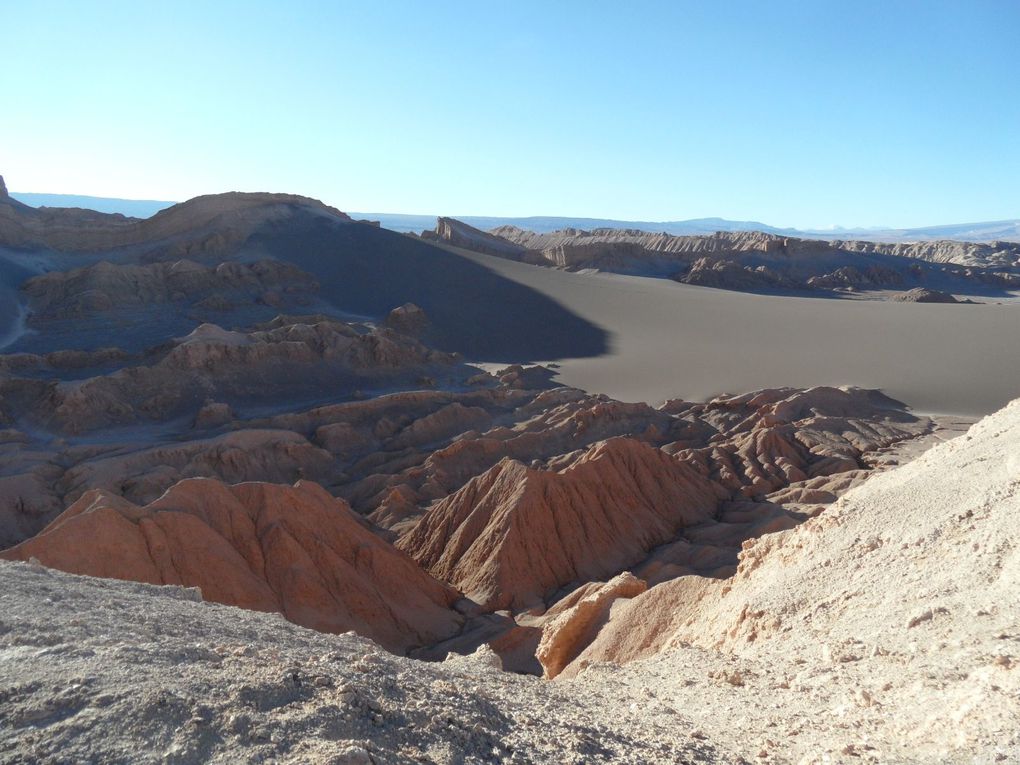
point(753, 261)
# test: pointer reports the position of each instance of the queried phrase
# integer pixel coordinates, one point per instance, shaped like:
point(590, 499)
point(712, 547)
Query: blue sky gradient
point(802, 114)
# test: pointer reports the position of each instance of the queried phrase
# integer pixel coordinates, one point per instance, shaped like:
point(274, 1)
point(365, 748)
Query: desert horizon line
point(644, 220)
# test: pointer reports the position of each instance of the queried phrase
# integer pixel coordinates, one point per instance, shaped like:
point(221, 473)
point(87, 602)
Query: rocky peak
point(3, 188)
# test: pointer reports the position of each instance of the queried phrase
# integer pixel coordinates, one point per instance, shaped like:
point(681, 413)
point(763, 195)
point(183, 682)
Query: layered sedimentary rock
point(460, 234)
point(751, 260)
point(295, 550)
point(729, 242)
point(295, 360)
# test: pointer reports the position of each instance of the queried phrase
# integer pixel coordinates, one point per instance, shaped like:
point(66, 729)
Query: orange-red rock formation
point(514, 535)
point(295, 550)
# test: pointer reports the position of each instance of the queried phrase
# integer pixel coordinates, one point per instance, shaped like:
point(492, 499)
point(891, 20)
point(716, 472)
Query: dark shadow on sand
point(367, 270)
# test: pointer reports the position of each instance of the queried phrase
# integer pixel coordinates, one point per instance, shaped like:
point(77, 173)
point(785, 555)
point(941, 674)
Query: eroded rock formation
point(513, 536)
point(296, 360)
point(750, 260)
point(922, 295)
point(295, 550)
point(106, 286)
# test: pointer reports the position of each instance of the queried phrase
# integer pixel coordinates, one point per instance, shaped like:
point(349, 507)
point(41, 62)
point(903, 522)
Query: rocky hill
point(83, 280)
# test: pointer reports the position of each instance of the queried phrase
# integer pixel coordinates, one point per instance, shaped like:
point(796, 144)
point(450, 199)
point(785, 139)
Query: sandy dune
point(669, 339)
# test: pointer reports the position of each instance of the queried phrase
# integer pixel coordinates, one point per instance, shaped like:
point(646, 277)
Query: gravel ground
point(104, 671)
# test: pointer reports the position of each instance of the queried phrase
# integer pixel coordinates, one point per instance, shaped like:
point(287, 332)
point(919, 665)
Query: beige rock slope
point(295, 550)
point(893, 616)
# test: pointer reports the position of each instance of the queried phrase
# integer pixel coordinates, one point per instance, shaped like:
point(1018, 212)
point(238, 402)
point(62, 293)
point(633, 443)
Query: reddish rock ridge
point(514, 535)
point(295, 550)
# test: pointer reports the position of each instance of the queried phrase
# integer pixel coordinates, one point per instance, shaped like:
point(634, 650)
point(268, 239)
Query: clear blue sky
point(792, 113)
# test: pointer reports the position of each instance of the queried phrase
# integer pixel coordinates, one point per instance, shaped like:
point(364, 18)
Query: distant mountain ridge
point(987, 231)
point(984, 231)
point(132, 208)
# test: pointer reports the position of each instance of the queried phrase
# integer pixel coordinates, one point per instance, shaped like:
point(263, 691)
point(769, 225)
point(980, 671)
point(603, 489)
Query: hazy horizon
point(148, 207)
point(804, 115)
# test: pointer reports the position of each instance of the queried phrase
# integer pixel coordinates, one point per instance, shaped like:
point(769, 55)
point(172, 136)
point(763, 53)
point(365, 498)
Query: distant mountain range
point(134, 208)
point(1006, 230)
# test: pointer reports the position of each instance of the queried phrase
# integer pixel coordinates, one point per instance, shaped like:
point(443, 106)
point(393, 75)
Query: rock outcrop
point(295, 550)
point(296, 361)
point(408, 319)
point(923, 295)
point(579, 618)
point(105, 286)
point(729, 275)
point(459, 234)
point(514, 535)
point(852, 278)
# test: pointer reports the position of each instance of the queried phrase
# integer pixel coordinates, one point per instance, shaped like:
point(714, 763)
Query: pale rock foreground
point(887, 629)
point(96, 670)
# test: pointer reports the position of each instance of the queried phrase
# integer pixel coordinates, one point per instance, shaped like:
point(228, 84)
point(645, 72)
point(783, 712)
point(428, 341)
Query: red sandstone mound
point(295, 550)
point(514, 535)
